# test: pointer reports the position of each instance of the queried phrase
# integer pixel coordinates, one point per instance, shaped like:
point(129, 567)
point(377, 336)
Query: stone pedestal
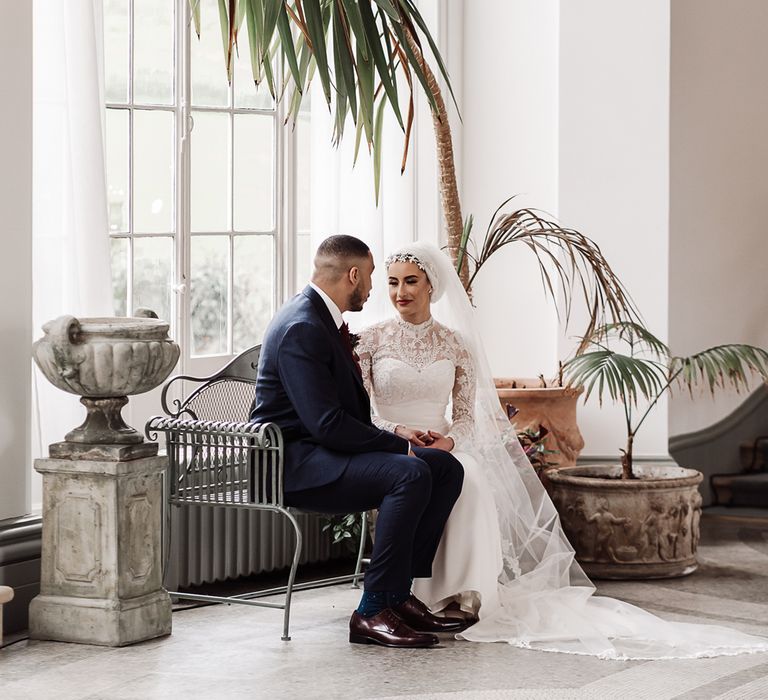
point(101, 553)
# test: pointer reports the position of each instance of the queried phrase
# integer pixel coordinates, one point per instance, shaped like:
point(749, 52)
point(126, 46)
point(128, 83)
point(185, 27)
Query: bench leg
point(361, 549)
point(291, 576)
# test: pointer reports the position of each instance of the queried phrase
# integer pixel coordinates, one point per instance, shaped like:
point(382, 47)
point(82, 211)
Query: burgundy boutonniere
point(354, 339)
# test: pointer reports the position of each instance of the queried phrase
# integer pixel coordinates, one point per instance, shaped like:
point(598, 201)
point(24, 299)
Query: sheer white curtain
point(343, 198)
point(71, 261)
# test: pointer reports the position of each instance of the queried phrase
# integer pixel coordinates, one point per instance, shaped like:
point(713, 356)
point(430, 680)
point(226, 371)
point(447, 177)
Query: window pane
point(209, 294)
point(153, 51)
point(117, 169)
point(153, 275)
point(119, 250)
point(153, 165)
point(304, 255)
point(253, 282)
point(247, 95)
point(209, 72)
point(116, 50)
point(210, 187)
point(253, 172)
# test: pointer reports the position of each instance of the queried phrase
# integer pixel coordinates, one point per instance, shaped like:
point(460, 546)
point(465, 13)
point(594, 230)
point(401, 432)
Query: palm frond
point(625, 378)
point(632, 333)
point(576, 261)
point(721, 366)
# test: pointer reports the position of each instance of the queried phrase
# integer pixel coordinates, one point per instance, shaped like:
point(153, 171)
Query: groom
point(309, 384)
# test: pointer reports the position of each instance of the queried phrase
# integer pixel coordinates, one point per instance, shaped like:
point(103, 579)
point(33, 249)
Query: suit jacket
point(308, 385)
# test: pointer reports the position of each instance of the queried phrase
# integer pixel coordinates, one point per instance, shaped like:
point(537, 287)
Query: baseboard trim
point(616, 459)
point(20, 545)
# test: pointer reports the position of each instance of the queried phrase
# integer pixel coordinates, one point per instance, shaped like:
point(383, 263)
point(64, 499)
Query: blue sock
point(373, 602)
point(395, 598)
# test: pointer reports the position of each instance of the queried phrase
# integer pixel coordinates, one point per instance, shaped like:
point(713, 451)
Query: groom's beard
point(356, 300)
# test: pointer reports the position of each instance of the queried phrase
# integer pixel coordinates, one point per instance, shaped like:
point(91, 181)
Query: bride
point(503, 555)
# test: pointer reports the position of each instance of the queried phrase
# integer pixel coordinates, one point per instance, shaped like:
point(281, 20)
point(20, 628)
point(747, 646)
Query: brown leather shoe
point(388, 629)
point(417, 615)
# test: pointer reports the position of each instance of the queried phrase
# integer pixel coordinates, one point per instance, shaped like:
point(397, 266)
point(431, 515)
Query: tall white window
point(203, 183)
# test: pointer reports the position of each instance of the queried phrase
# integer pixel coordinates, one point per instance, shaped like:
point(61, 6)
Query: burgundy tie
point(344, 333)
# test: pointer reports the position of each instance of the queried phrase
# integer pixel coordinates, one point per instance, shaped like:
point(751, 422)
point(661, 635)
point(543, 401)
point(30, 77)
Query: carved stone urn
point(104, 360)
point(101, 574)
point(641, 528)
point(554, 407)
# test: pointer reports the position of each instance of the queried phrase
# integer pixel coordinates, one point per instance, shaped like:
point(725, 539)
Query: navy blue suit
point(336, 460)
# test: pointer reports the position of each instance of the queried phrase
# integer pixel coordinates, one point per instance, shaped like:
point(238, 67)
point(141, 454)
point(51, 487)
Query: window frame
point(284, 194)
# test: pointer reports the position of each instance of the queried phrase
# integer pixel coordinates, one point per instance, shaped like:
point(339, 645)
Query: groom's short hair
point(336, 254)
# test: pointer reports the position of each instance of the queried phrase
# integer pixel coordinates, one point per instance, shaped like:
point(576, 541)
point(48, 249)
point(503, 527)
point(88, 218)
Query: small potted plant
point(640, 521)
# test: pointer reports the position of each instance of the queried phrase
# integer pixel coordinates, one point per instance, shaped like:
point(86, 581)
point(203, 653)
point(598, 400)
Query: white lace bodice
point(413, 372)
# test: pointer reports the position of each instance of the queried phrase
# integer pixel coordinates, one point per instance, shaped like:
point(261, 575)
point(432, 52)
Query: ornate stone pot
point(552, 407)
point(104, 360)
point(647, 527)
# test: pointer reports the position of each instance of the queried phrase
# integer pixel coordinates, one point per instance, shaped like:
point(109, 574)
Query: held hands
point(420, 438)
point(440, 442)
point(425, 438)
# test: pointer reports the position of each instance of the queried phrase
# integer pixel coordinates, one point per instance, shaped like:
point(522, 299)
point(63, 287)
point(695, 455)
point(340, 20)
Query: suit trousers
point(414, 496)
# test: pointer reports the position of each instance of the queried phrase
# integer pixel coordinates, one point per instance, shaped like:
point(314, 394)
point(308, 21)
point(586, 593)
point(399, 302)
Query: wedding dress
point(504, 548)
point(412, 372)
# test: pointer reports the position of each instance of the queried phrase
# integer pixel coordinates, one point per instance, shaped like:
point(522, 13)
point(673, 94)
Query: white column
point(510, 144)
point(16, 258)
point(614, 162)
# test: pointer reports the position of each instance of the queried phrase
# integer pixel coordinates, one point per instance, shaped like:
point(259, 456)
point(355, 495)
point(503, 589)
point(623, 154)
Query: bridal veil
point(546, 601)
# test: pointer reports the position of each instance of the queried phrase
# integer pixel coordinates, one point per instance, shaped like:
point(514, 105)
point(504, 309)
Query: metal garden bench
point(217, 458)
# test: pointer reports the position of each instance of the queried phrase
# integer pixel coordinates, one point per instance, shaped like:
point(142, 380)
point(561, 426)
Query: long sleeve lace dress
point(422, 376)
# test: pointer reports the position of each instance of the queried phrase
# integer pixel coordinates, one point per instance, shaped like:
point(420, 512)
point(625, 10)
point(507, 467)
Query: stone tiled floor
point(236, 652)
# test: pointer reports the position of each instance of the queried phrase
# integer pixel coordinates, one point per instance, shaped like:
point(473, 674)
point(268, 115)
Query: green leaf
point(352, 9)
point(377, 149)
point(194, 6)
point(316, 29)
point(343, 61)
point(286, 44)
point(465, 234)
point(365, 81)
point(253, 40)
point(389, 8)
point(380, 61)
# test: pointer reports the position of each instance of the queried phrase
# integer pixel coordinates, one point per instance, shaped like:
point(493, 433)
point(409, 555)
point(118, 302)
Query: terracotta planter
point(552, 407)
point(646, 527)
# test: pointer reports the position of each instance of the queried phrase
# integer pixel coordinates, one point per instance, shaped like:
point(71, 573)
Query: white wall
point(16, 261)
point(566, 103)
point(509, 109)
point(719, 188)
point(614, 141)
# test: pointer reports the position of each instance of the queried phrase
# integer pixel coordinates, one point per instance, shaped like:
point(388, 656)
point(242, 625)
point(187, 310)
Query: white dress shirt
point(338, 319)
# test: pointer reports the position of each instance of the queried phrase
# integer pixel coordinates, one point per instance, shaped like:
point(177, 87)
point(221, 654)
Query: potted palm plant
point(640, 521)
point(569, 263)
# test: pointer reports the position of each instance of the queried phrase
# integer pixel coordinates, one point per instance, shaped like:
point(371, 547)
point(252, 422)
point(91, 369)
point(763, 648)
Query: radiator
point(211, 544)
